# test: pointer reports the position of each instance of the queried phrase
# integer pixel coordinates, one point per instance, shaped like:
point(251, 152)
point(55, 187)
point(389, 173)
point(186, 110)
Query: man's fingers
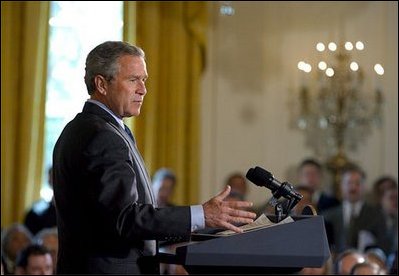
point(238, 204)
point(231, 227)
point(241, 213)
point(241, 220)
point(223, 194)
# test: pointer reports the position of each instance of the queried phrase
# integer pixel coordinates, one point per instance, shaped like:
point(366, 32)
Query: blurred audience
point(238, 184)
point(366, 268)
point(14, 239)
point(310, 174)
point(163, 184)
point(355, 223)
point(306, 200)
point(346, 260)
point(380, 185)
point(377, 256)
point(34, 260)
point(42, 214)
point(48, 237)
point(389, 204)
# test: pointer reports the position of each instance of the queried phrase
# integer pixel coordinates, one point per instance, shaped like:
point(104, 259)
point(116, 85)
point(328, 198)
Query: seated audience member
point(13, 240)
point(346, 260)
point(355, 223)
point(310, 174)
point(42, 214)
point(365, 268)
point(306, 192)
point(163, 184)
point(389, 205)
point(238, 184)
point(48, 237)
point(377, 256)
point(34, 260)
point(380, 185)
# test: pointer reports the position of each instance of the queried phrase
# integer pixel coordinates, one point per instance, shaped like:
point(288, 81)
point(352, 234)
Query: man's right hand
point(221, 214)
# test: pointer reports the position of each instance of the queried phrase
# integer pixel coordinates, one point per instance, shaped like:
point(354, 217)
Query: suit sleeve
point(114, 193)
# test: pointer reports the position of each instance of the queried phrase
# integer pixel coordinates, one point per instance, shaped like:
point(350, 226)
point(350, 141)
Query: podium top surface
point(302, 243)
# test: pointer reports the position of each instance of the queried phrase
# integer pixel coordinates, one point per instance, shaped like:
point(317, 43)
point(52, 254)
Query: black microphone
point(263, 178)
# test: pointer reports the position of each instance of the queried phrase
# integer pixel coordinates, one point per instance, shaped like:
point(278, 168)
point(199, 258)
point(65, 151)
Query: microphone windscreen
point(259, 176)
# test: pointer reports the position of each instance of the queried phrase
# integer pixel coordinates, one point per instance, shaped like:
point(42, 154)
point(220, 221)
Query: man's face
point(352, 186)
point(389, 201)
point(165, 191)
point(39, 265)
point(238, 185)
point(51, 243)
point(124, 94)
point(310, 176)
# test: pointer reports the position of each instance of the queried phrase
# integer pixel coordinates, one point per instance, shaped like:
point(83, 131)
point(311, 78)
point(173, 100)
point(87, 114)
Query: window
point(76, 27)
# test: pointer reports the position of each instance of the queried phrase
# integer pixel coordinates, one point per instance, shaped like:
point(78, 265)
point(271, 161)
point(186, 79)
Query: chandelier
point(336, 109)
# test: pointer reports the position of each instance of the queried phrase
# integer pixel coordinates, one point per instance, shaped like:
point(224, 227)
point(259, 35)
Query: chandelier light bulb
point(354, 66)
point(320, 47)
point(359, 45)
point(301, 65)
point(348, 46)
point(322, 65)
point(329, 72)
point(307, 68)
point(379, 69)
point(332, 46)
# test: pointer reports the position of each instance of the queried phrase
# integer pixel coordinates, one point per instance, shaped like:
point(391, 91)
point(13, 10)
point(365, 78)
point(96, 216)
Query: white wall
point(252, 78)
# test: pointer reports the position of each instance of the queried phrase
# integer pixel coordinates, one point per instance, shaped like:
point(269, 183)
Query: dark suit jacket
point(106, 216)
point(369, 218)
point(326, 202)
point(41, 216)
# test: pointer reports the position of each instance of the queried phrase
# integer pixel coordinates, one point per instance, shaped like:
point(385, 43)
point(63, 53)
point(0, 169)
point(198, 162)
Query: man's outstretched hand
point(221, 214)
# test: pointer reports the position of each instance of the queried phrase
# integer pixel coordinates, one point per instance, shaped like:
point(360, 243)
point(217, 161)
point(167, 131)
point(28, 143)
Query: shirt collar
point(103, 106)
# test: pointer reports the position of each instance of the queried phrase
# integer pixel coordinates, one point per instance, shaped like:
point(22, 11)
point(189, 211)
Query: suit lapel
point(137, 160)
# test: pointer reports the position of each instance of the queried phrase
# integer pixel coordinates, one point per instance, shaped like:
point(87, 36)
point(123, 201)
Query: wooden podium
point(285, 248)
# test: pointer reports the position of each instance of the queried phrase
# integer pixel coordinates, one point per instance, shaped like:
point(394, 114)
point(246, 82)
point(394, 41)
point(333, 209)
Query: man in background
point(355, 223)
point(239, 187)
point(163, 184)
point(34, 260)
point(42, 214)
point(310, 174)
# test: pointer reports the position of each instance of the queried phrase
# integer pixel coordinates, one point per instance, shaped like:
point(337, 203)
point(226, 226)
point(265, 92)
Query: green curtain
point(172, 34)
point(24, 40)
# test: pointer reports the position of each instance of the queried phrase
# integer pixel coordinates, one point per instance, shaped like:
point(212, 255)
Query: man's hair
point(8, 232)
point(310, 162)
point(234, 176)
point(376, 187)
point(42, 234)
point(342, 255)
point(103, 60)
point(31, 250)
point(364, 264)
point(162, 174)
point(354, 168)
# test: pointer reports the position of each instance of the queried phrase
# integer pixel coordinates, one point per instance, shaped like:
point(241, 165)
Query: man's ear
point(101, 84)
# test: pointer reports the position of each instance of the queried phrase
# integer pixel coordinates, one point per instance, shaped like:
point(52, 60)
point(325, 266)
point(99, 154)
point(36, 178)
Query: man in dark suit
point(310, 175)
point(355, 223)
point(106, 212)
